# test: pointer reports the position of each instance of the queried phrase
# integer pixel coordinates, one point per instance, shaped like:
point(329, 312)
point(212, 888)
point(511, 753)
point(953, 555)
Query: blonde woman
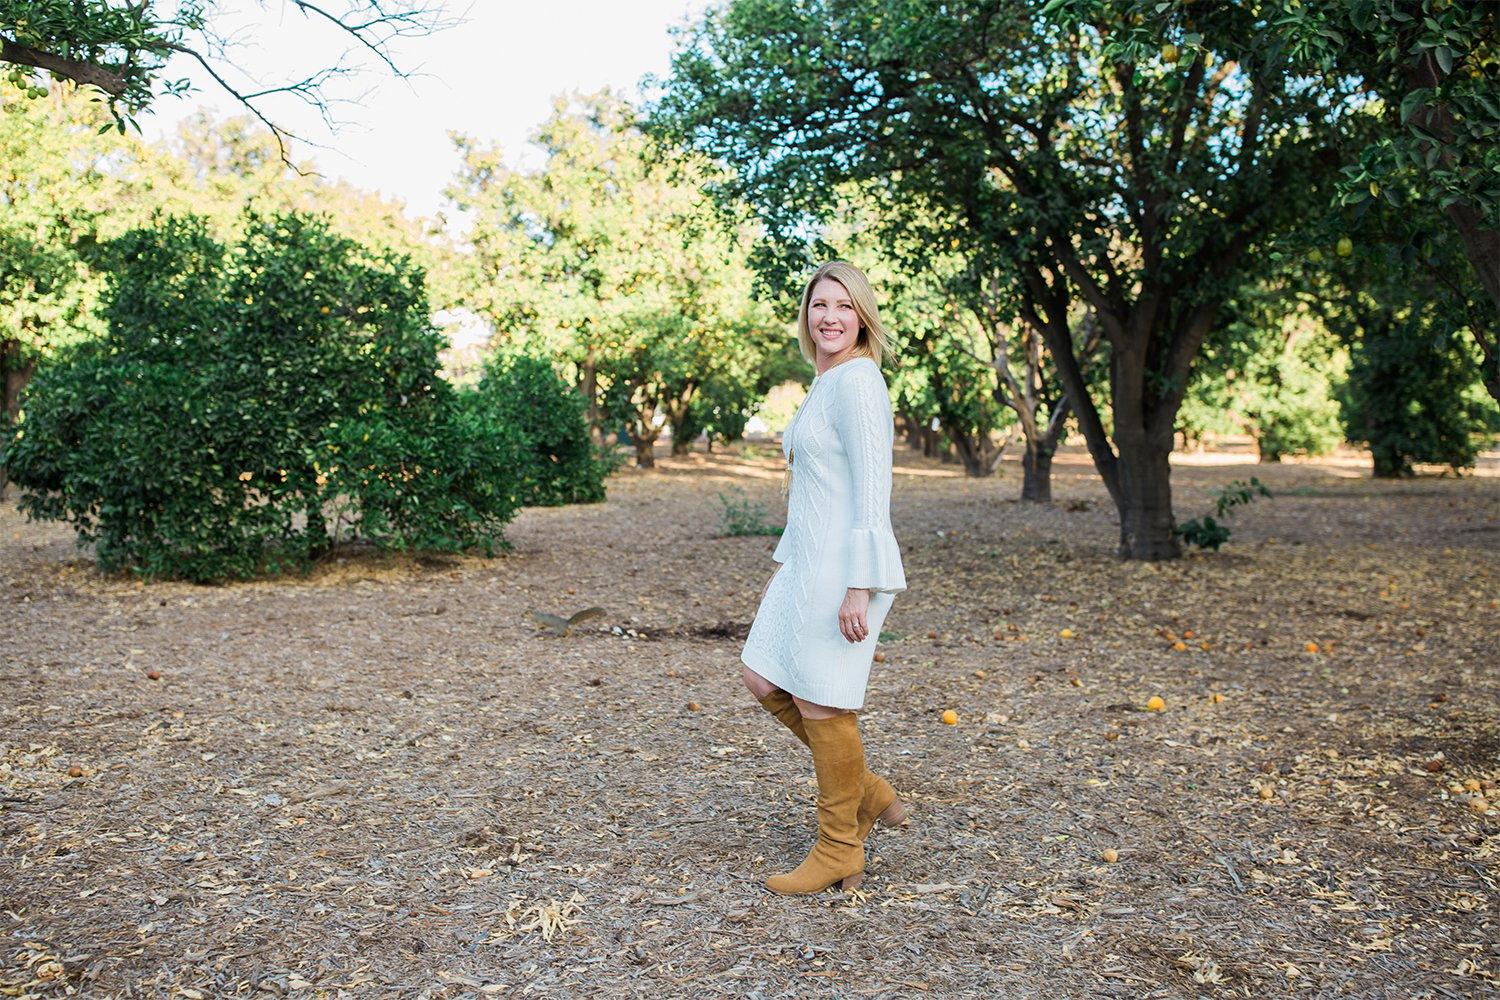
point(808, 655)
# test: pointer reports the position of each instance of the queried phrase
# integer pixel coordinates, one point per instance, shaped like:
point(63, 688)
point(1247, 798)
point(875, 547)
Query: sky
point(494, 77)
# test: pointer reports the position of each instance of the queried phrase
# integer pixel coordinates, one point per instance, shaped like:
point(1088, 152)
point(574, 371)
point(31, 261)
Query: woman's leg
point(811, 711)
point(878, 800)
point(838, 856)
point(757, 685)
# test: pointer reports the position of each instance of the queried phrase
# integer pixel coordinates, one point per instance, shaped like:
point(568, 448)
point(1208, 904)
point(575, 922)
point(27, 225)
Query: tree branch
point(1184, 112)
point(277, 132)
point(77, 70)
point(399, 24)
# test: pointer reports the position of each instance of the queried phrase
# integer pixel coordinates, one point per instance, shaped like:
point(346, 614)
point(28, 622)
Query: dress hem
point(825, 695)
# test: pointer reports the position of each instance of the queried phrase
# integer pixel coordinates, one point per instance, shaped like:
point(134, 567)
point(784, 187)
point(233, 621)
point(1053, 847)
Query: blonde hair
point(874, 339)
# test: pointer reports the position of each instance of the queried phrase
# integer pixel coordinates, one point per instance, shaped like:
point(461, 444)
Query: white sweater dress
point(838, 535)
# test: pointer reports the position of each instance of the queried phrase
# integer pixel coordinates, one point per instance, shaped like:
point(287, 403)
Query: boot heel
point(893, 815)
point(852, 882)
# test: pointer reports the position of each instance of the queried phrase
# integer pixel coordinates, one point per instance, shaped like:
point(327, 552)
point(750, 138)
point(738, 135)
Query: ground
point(383, 780)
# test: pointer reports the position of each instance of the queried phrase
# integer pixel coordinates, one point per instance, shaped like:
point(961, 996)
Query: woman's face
point(832, 321)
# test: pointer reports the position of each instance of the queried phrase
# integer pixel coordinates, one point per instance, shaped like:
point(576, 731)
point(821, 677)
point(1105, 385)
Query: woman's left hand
point(854, 621)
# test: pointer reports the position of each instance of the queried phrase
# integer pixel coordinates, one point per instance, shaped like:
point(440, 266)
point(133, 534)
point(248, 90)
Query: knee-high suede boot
point(839, 854)
point(878, 802)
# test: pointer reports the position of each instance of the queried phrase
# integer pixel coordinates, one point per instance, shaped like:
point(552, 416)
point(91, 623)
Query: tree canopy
point(1089, 163)
point(67, 189)
point(612, 259)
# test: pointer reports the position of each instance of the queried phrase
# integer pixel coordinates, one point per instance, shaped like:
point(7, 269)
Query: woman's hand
point(854, 622)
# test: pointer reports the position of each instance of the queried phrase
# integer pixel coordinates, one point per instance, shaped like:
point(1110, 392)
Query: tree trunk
point(1041, 445)
point(318, 542)
point(977, 452)
point(682, 441)
point(932, 444)
point(1047, 311)
point(1266, 452)
point(676, 412)
point(643, 434)
point(1036, 482)
point(1481, 245)
point(14, 374)
point(588, 386)
point(1388, 463)
point(1147, 528)
point(1483, 249)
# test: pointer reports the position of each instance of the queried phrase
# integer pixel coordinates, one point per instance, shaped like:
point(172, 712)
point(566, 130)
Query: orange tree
point(1407, 308)
point(969, 366)
point(980, 360)
point(1436, 66)
point(611, 260)
point(58, 200)
point(1269, 369)
point(942, 376)
point(1429, 74)
point(252, 405)
point(66, 189)
point(1067, 151)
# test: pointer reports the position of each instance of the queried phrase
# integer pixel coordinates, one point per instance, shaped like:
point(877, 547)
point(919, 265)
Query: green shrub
point(253, 406)
point(739, 515)
point(1415, 398)
point(1211, 532)
point(1291, 404)
point(556, 461)
point(1206, 532)
point(440, 479)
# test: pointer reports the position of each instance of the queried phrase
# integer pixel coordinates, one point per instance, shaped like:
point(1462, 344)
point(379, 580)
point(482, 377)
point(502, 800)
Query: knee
point(812, 711)
point(757, 685)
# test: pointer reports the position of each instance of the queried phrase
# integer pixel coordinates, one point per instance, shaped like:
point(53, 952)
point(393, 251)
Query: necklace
point(791, 453)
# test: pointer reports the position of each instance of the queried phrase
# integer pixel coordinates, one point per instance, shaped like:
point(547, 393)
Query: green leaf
point(1426, 135)
point(1411, 103)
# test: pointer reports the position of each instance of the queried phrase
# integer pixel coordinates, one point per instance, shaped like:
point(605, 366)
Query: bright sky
point(494, 77)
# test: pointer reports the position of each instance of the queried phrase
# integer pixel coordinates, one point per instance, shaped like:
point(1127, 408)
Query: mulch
point(383, 780)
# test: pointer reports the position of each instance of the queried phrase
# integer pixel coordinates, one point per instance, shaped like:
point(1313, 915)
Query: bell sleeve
point(862, 419)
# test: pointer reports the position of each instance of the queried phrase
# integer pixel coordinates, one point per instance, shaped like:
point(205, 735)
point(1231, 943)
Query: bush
point(1211, 532)
point(556, 461)
point(740, 516)
point(1415, 398)
point(719, 410)
point(441, 479)
point(1291, 404)
point(252, 407)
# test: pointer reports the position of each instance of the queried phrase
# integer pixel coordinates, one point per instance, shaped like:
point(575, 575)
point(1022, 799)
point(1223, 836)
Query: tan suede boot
point(878, 802)
point(839, 854)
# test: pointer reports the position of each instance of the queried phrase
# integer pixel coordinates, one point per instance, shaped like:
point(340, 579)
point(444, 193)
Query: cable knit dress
point(838, 535)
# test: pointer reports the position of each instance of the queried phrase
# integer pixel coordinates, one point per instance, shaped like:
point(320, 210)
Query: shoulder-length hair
point(874, 339)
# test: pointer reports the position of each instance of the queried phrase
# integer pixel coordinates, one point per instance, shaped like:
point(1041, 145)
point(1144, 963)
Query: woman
point(808, 655)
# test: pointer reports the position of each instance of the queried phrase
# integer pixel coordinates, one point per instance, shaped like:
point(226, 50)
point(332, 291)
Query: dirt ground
point(383, 781)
